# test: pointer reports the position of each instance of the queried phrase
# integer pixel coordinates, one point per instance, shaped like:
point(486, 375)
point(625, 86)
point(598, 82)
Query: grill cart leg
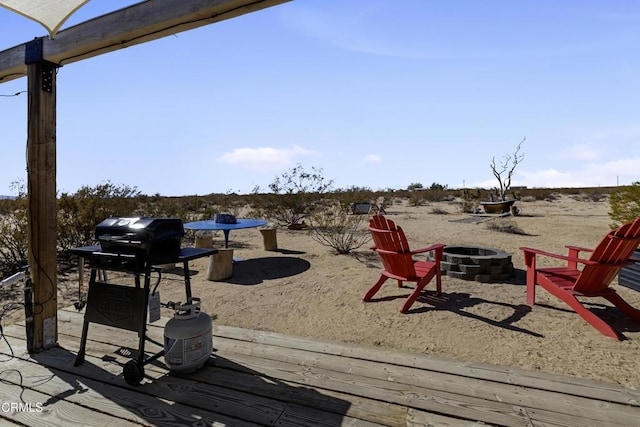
point(85, 330)
point(83, 345)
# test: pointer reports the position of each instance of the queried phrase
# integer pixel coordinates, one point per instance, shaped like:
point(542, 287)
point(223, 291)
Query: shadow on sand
point(256, 270)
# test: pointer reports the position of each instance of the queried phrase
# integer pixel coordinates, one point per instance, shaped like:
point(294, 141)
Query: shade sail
point(50, 13)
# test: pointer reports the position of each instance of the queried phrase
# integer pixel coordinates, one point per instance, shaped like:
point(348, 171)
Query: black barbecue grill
point(132, 245)
point(153, 239)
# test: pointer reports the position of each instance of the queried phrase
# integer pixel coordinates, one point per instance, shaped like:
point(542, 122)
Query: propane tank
point(188, 338)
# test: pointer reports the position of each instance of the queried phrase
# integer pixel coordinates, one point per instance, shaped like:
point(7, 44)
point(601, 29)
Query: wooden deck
point(269, 379)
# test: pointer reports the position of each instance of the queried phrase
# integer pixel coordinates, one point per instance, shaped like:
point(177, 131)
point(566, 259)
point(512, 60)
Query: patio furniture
point(397, 259)
point(593, 280)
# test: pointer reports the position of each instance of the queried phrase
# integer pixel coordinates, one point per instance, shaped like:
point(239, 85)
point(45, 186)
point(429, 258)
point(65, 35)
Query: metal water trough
point(630, 275)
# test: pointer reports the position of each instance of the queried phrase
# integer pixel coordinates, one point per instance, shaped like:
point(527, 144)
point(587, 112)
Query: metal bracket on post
point(34, 53)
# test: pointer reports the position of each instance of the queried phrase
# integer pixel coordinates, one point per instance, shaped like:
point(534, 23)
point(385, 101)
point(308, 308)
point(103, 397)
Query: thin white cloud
point(439, 32)
point(610, 173)
point(582, 152)
point(592, 174)
point(264, 158)
point(350, 31)
point(372, 158)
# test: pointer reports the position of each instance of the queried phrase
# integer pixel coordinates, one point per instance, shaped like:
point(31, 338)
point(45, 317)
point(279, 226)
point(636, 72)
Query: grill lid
point(140, 235)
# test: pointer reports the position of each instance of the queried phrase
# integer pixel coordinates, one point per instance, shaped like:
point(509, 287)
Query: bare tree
point(508, 166)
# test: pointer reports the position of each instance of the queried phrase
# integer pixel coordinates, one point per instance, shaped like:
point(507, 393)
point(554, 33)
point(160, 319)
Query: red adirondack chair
point(397, 259)
point(592, 280)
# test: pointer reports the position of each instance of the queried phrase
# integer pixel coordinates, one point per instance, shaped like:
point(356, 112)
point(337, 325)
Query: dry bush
point(439, 211)
point(337, 229)
point(589, 197)
point(505, 226)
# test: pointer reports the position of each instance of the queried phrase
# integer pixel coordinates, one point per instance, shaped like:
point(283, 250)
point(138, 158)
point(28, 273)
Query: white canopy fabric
point(50, 13)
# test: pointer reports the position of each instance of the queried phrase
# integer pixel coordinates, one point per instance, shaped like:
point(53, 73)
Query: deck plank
point(265, 378)
point(462, 396)
point(54, 413)
point(236, 403)
point(465, 397)
point(364, 408)
point(100, 388)
point(446, 403)
point(531, 379)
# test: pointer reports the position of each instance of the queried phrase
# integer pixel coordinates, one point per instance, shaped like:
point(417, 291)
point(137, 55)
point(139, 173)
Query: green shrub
point(79, 213)
point(14, 231)
point(295, 195)
point(625, 204)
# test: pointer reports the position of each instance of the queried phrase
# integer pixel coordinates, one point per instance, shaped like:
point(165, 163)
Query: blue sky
point(377, 94)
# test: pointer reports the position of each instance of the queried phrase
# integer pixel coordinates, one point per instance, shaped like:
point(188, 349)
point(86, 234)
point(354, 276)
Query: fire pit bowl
point(476, 263)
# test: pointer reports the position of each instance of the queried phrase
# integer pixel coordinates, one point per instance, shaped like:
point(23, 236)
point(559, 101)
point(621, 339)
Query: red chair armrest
point(556, 256)
point(434, 247)
point(578, 248)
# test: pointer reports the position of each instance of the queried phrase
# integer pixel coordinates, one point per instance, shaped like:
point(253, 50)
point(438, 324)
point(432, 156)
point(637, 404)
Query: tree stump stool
point(269, 238)
point(220, 264)
point(166, 267)
point(204, 239)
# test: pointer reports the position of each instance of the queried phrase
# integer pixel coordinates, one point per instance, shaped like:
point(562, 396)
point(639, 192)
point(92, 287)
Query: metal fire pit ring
point(477, 263)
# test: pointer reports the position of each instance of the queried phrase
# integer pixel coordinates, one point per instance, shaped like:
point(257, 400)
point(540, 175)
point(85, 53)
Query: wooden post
point(41, 197)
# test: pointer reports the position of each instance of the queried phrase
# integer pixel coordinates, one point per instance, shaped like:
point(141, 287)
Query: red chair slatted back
point(611, 254)
point(395, 255)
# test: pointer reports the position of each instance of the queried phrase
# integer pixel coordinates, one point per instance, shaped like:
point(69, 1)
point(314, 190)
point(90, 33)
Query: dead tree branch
point(508, 166)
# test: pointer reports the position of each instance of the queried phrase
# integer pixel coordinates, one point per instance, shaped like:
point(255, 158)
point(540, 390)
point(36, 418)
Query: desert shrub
point(417, 198)
point(337, 229)
point(438, 196)
point(470, 199)
point(439, 211)
point(537, 194)
point(13, 226)
point(588, 197)
point(505, 226)
point(295, 195)
point(349, 196)
point(625, 204)
point(528, 199)
point(158, 206)
point(79, 213)
point(467, 206)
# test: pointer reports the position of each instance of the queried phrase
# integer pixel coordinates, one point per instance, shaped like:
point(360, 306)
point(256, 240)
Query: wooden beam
point(41, 197)
point(139, 23)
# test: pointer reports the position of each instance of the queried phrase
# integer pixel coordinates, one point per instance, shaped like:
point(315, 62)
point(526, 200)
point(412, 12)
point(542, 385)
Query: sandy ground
point(305, 289)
